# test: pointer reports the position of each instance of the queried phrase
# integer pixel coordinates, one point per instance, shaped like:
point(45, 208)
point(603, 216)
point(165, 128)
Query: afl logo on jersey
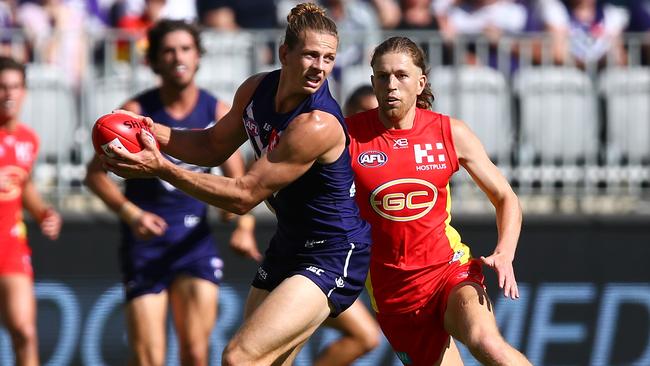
point(251, 127)
point(405, 199)
point(372, 159)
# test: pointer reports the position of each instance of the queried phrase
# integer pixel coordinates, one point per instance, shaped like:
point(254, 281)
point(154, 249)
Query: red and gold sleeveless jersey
point(402, 188)
point(18, 150)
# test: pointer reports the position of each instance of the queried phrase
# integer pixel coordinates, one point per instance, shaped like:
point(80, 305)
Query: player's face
point(310, 62)
point(397, 82)
point(12, 94)
point(178, 58)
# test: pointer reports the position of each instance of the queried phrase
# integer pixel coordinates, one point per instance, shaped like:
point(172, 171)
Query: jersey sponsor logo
point(433, 159)
point(340, 282)
point(316, 270)
point(372, 159)
point(12, 179)
point(216, 262)
point(312, 243)
point(457, 256)
point(404, 199)
point(261, 273)
point(24, 152)
point(402, 143)
point(191, 221)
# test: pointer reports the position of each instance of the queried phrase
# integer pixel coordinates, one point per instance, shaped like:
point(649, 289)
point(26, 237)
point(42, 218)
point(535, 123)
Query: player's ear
point(282, 53)
point(422, 82)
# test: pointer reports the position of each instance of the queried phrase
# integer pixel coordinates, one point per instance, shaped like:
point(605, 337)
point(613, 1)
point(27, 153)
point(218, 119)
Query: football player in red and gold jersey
point(424, 284)
point(18, 150)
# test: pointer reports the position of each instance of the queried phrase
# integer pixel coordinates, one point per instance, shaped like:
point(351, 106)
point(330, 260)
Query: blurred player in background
point(361, 333)
point(360, 100)
point(168, 255)
point(317, 261)
point(423, 281)
point(18, 151)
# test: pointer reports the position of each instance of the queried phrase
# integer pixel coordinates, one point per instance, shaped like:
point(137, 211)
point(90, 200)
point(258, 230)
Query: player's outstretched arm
point(48, 219)
point(474, 159)
point(310, 137)
point(210, 147)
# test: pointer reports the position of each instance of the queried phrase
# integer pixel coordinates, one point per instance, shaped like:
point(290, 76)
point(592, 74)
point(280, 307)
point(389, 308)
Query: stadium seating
point(557, 115)
point(570, 131)
point(479, 96)
point(50, 108)
point(228, 61)
point(626, 93)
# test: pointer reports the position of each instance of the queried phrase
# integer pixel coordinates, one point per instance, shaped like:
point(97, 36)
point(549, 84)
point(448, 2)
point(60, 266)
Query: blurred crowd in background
point(582, 30)
point(557, 90)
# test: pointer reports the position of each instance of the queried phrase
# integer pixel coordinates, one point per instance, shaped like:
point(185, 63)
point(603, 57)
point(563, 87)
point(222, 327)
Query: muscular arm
point(474, 159)
point(315, 136)
point(234, 166)
point(215, 145)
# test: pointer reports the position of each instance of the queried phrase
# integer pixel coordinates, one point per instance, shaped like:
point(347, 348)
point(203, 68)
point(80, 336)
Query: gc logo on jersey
point(12, 179)
point(372, 159)
point(404, 199)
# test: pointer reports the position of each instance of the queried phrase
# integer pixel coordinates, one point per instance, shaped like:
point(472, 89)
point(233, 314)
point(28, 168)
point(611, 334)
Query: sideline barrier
point(585, 294)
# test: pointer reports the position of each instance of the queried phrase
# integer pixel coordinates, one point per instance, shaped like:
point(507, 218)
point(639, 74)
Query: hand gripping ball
point(119, 130)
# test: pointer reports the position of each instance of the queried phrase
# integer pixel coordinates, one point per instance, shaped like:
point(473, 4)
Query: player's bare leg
point(360, 336)
point(450, 355)
point(284, 319)
point(255, 298)
point(194, 306)
point(18, 311)
point(288, 357)
point(470, 319)
point(146, 316)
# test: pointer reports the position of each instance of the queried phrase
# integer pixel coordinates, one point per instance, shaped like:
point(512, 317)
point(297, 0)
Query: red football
point(121, 130)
